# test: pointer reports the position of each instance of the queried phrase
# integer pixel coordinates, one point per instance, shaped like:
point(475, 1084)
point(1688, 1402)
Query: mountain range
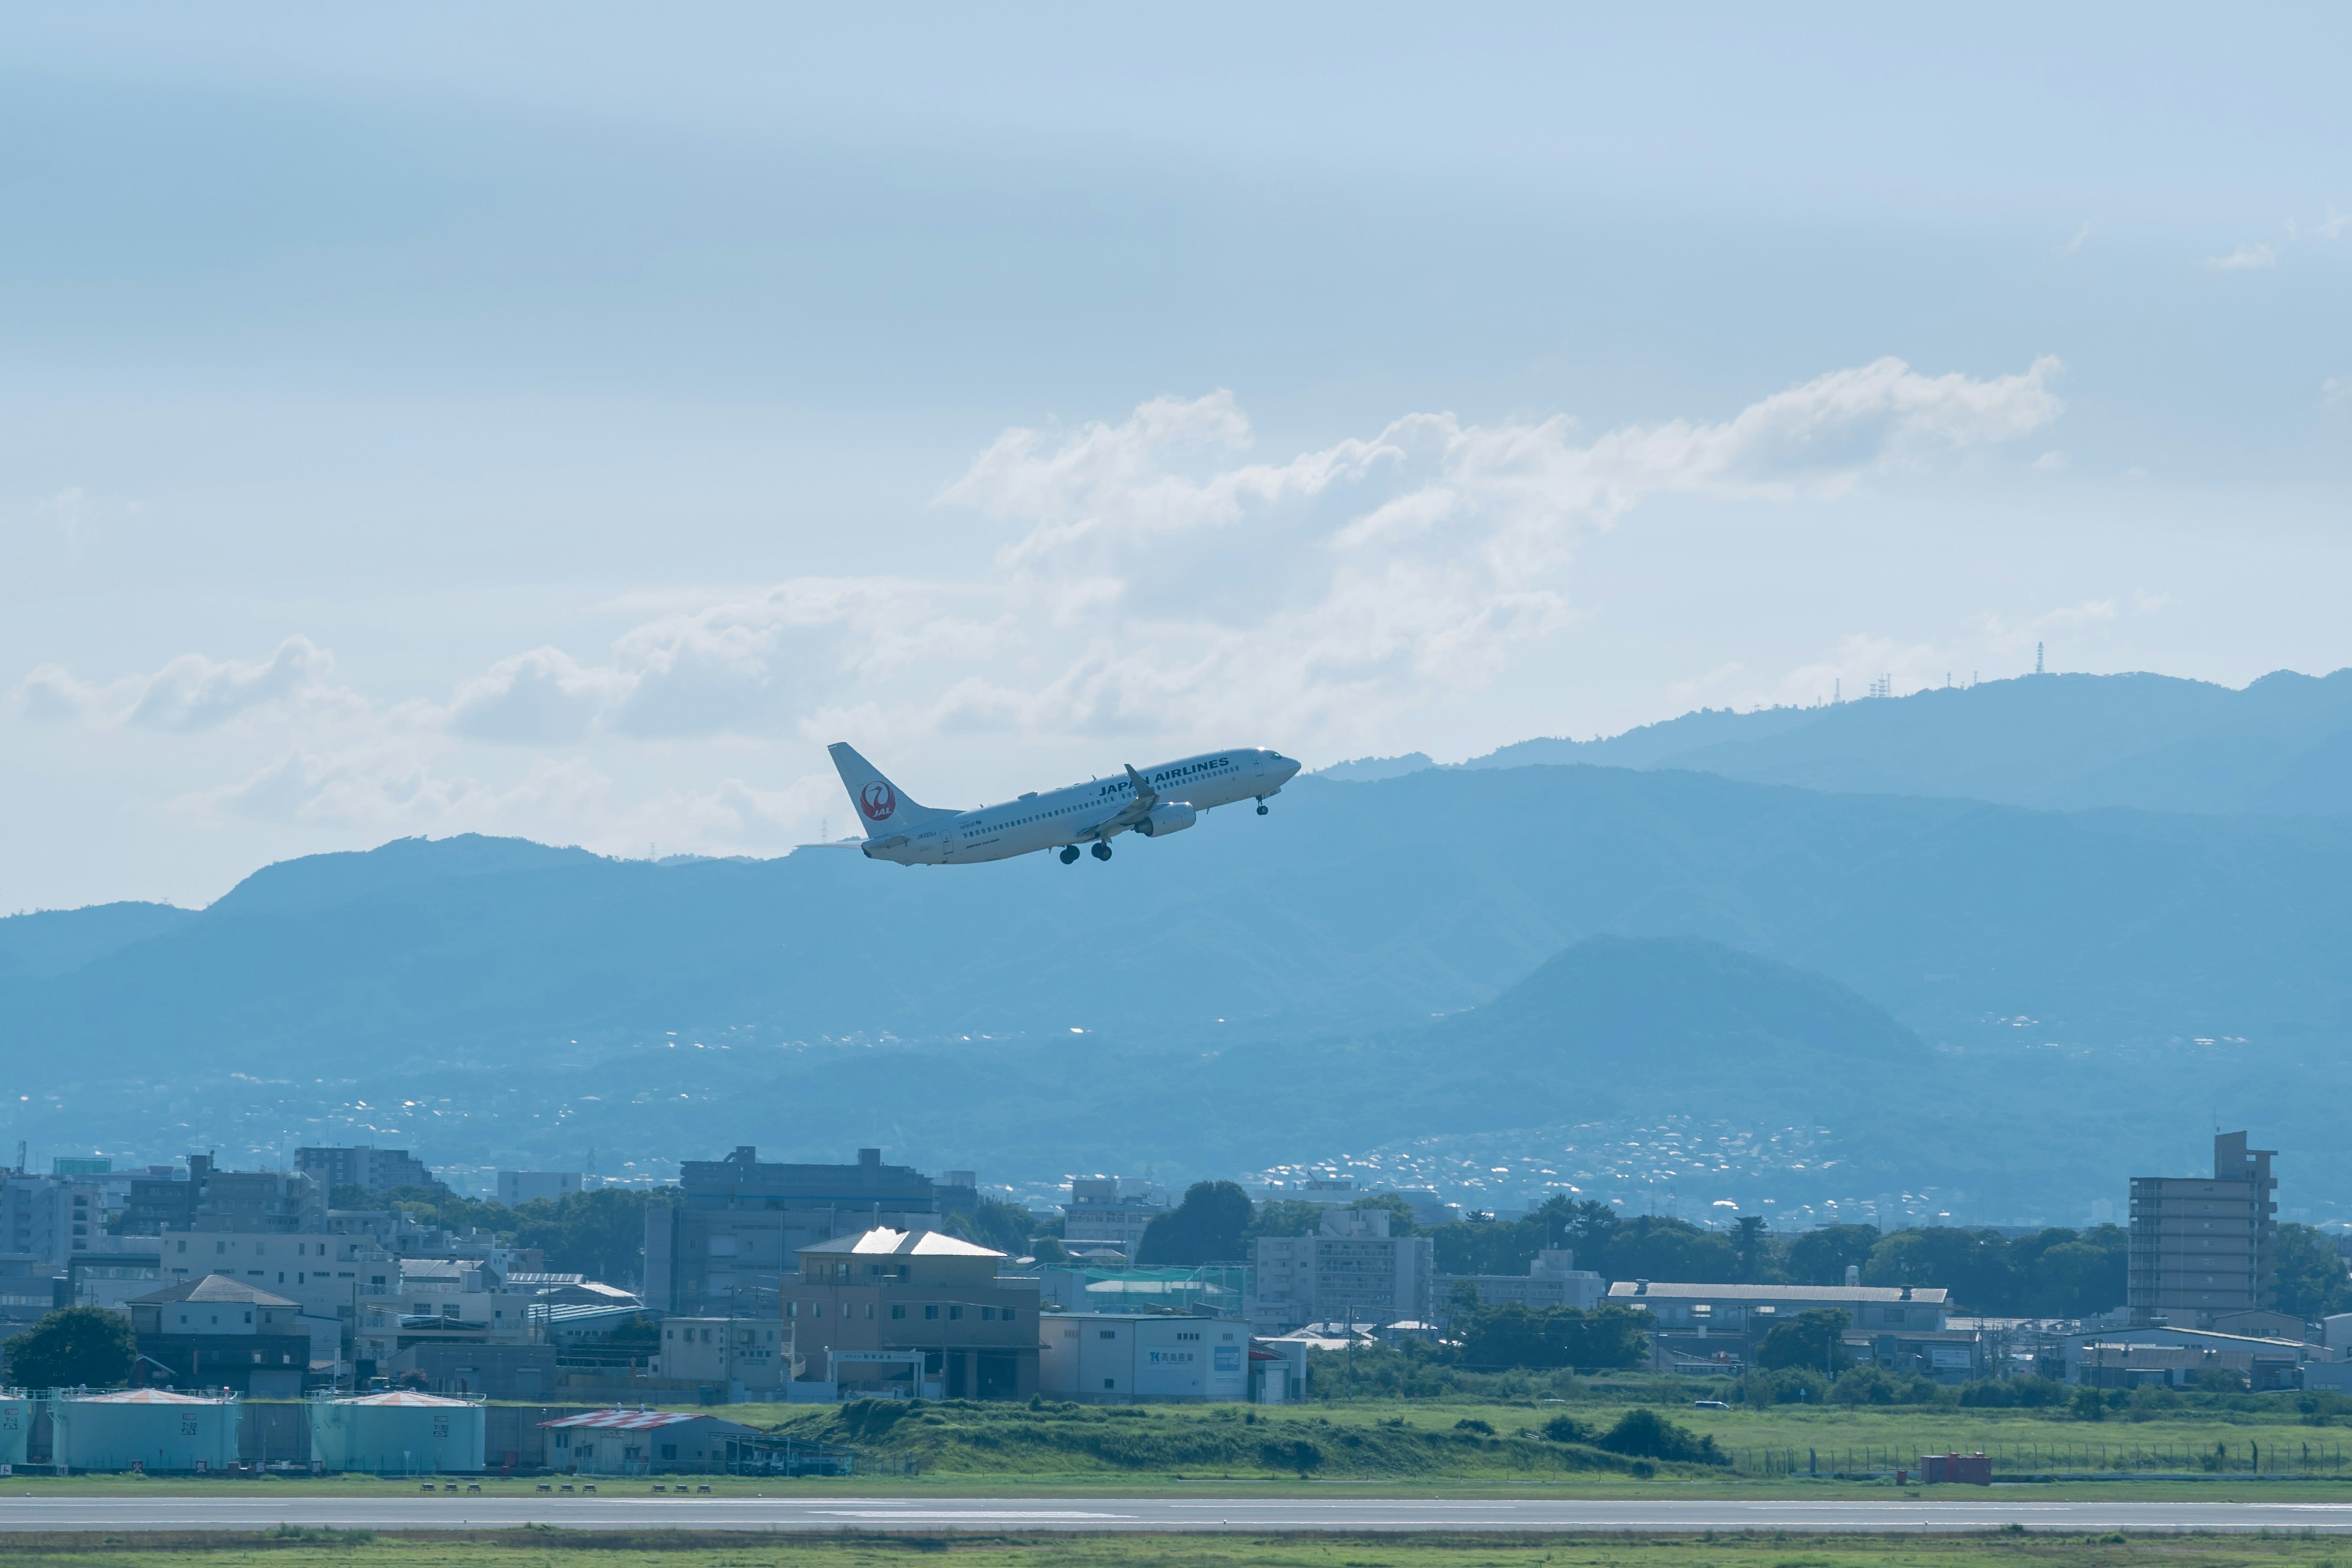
point(1522, 972)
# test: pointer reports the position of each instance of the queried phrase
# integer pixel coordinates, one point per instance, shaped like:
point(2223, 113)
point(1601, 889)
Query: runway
point(1258, 1515)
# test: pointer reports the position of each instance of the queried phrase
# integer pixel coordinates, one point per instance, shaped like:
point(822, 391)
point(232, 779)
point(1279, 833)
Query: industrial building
point(2200, 1247)
point(620, 1442)
point(925, 1292)
point(218, 1332)
point(741, 1221)
point(400, 1433)
point(1352, 1270)
point(1114, 1357)
point(151, 1429)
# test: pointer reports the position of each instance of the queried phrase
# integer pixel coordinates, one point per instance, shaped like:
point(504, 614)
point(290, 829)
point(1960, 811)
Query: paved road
point(1250, 1514)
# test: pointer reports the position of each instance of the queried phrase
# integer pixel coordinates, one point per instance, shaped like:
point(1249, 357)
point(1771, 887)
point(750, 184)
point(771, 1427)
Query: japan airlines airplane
point(1156, 801)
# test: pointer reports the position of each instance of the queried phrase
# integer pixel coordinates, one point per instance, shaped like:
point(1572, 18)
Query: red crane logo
point(878, 801)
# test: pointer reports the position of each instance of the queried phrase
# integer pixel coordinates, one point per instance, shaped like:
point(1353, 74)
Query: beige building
point(2200, 1247)
point(755, 1353)
point(916, 1291)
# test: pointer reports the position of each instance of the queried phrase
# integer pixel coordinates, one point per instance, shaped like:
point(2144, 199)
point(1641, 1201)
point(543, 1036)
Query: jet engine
point(1173, 818)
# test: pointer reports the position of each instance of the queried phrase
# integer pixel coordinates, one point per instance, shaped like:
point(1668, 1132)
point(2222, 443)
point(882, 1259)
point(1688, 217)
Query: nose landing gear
point(1102, 851)
point(1069, 855)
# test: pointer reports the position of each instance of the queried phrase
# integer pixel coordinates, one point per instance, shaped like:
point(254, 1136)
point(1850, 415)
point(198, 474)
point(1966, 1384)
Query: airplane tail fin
point(882, 806)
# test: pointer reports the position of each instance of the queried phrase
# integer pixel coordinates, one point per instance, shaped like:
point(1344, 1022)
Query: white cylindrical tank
point(400, 1433)
point(152, 1428)
point(16, 1426)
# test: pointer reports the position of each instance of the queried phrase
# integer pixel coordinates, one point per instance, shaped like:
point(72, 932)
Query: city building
point(372, 1170)
point(440, 1301)
point(743, 1355)
point(519, 1187)
point(2201, 1248)
point(1352, 1270)
point(1113, 1358)
point(1099, 1217)
point(900, 1293)
point(1552, 1279)
point(218, 1332)
point(740, 1223)
point(209, 1199)
point(1718, 1324)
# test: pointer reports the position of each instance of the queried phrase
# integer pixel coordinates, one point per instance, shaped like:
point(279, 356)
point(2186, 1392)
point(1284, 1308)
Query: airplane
point(1153, 802)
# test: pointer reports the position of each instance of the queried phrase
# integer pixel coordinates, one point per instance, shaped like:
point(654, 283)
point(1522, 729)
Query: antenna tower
point(2037, 659)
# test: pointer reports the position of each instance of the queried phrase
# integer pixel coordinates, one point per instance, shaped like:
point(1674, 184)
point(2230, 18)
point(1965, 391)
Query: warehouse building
point(1115, 1357)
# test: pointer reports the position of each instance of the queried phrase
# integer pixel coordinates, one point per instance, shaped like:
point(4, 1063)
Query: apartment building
point(1350, 1270)
point(364, 1166)
point(2203, 1248)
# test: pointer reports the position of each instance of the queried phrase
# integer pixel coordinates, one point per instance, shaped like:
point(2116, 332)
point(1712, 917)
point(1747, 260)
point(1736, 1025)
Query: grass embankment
point(559, 1549)
point(956, 1446)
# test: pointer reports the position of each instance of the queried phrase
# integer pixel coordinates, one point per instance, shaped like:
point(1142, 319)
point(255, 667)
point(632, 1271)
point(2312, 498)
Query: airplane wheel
point(1102, 851)
point(1070, 855)
point(1261, 809)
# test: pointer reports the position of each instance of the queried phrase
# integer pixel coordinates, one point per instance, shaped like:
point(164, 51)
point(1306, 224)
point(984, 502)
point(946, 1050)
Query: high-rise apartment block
point(2201, 1248)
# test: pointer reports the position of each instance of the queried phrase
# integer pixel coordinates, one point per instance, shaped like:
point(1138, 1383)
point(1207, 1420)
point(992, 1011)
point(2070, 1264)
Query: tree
point(996, 1224)
point(73, 1346)
point(2311, 1281)
point(1652, 1247)
point(600, 1233)
point(1643, 1432)
point(1515, 1335)
point(1973, 1265)
point(1820, 1257)
point(1285, 1216)
point(1206, 1228)
point(1810, 1339)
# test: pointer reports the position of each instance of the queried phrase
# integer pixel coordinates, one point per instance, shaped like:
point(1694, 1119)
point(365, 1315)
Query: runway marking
point(923, 1514)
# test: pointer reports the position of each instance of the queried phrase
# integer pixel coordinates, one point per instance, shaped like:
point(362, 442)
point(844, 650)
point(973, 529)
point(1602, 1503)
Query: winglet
point(1145, 795)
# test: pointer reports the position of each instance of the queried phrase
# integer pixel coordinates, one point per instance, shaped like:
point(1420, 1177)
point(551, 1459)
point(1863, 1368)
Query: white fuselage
point(1081, 814)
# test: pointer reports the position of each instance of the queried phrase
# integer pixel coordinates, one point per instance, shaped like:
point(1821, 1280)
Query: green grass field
point(970, 1447)
point(554, 1549)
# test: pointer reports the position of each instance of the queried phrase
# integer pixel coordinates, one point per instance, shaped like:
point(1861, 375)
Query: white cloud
point(2334, 226)
point(2050, 463)
point(2336, 389)
point(192, 692)
point(1155, 581)
point(2246, 257)
point(2081, 238)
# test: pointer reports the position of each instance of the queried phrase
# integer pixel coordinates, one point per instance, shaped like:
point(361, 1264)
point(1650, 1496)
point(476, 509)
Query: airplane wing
point(1134, 811)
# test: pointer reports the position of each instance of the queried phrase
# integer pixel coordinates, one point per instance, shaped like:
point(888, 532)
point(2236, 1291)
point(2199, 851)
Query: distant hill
point(2282, 746)
point(54, 941)
point(515, 1002)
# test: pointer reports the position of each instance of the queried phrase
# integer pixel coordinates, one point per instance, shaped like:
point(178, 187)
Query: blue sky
point(564, 421)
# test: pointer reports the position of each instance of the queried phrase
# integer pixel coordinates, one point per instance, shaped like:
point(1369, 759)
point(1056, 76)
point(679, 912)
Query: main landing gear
point(1261, 807)
point(1102, 852)
point(1069, 855)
